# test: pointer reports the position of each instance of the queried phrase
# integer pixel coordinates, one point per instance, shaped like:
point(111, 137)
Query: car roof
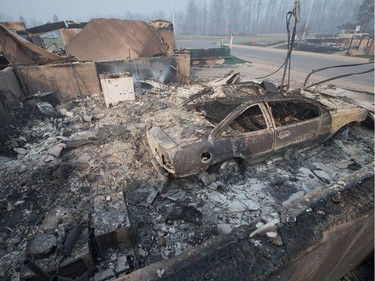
point(219, 108)
point(239, 93)
point(271, 97)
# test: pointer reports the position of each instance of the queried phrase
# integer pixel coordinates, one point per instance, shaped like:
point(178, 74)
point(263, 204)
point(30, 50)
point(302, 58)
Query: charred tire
point(233, 165)
point(229, 167)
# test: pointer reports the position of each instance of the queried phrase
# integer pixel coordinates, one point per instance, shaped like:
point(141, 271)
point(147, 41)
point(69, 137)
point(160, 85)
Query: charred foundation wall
point(332, 235)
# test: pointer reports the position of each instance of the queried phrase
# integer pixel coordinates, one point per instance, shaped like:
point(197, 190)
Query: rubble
point(111, 223)
point(187, 213)
point(65, 172)
point(104, 275)
point(43, 246)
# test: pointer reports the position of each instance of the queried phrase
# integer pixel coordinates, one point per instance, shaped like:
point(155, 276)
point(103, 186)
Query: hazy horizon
point(42, 11)
point(210, 17)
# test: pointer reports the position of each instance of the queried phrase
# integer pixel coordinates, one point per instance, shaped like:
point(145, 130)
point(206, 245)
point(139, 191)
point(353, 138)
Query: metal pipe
point(33, 267)
point(71, 240)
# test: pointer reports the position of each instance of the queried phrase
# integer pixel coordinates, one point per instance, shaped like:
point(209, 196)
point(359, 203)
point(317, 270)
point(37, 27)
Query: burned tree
point(365, 15)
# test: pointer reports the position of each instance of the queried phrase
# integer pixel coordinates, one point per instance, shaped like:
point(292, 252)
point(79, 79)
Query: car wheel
point(229, 167)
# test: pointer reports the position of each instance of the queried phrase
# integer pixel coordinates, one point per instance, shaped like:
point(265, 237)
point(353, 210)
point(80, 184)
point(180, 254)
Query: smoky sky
point(82, 10)
point(212, 17)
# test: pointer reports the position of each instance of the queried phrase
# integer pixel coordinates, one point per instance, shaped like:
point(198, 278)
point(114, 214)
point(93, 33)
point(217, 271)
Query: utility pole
point(174, 27)
point(307, 23)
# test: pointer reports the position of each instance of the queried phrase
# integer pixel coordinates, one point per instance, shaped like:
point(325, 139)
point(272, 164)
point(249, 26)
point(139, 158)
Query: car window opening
point(215, 111)
point(290, 112)
point(250, 120)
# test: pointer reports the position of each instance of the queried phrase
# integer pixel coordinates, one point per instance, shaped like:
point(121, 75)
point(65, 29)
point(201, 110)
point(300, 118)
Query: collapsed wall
point(114, 39)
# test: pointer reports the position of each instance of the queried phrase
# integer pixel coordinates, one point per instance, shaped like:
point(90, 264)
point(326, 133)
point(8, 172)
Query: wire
point(338, 77)
point(334, 66)
point(291, 39)
point(281, 66)
point(287, 62)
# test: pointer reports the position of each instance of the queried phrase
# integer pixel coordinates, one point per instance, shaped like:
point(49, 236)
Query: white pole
point(174, 27)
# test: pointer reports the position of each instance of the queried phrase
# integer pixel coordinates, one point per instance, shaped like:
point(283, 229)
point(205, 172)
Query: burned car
point(190, 139)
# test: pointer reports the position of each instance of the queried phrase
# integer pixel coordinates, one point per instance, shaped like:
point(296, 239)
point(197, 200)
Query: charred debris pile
point(82, 194)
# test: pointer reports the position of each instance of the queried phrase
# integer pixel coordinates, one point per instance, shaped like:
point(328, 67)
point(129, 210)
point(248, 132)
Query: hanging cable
point(287, 66)
point(329, 67)
point(287, 62)
point(338, 77)
point(281, 66)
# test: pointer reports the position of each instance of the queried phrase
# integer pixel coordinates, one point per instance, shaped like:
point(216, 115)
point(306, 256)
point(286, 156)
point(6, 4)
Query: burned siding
point(114, 39)
point(156, 68)
point(67, 80)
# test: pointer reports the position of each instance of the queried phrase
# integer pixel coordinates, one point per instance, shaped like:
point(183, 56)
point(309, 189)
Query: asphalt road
point(302, 63)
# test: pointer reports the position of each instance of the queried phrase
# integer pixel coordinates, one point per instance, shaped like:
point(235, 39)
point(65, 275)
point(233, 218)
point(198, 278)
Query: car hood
point(181, 125)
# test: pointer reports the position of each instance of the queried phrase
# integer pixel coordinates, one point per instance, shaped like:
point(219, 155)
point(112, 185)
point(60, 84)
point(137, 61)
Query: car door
point(298, 124)
point(249, 131)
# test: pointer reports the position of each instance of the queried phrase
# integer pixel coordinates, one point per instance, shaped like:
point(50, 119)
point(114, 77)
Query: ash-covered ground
point(60, 161)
